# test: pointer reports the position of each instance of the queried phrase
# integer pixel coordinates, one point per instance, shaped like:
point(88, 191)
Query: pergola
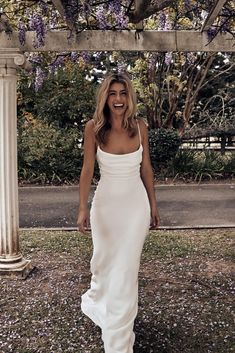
point(12, 263)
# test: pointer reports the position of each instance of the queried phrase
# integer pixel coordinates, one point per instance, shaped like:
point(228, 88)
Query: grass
point(186, 292)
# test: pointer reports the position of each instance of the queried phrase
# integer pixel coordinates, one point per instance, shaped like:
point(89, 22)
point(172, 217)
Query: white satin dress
point(120, 219)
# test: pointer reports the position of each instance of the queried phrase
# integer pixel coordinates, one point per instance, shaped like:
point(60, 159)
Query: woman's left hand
point(155, 219)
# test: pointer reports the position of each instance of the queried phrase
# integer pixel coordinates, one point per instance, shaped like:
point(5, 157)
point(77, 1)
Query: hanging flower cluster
point(36, 24)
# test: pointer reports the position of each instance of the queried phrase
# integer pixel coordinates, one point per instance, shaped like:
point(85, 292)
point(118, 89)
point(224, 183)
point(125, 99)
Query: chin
point(122, 112)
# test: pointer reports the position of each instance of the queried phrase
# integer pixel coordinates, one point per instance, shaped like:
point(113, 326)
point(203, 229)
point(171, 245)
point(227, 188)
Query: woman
point(123, 207)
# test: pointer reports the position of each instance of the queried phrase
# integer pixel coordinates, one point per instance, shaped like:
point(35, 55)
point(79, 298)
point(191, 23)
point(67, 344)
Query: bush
point(210, 165)
point(185, 163)
point(163, 146)
point(202, 165)
point(229, 168)
point(64, 99)
point(48, 154)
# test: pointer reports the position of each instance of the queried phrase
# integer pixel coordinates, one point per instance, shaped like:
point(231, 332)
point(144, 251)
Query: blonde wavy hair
point(101, 119)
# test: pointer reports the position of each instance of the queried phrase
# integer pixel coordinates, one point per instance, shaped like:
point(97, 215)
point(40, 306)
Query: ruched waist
point(120, 176)
point(119, 189)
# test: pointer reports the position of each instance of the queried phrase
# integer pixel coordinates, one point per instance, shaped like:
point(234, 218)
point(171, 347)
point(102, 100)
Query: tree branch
point(145, 9)
point(219, 74)
point(60, 8)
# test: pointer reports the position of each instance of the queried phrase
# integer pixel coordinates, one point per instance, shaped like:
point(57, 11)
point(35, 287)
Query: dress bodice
point(119, 165)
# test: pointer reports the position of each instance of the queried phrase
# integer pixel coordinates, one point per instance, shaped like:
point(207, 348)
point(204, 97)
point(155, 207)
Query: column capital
point(11, 59)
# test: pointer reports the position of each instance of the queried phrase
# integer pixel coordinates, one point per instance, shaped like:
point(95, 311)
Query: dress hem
point(88, 310)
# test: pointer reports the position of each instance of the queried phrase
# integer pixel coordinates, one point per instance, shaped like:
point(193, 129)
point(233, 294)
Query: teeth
point(118, 105)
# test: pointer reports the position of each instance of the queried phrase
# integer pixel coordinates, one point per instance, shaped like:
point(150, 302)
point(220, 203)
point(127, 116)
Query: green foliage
point(50, 125)
point(163, 146)
point(65, 98)
point(50, 122)
point(48, 154)
point(210, 165)
point(202, 165)
point(229, 168)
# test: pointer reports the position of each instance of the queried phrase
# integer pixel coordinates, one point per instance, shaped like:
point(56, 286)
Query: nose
point(119, 96)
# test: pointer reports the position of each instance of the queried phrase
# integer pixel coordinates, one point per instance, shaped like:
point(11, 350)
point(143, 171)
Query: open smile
point(118, 105)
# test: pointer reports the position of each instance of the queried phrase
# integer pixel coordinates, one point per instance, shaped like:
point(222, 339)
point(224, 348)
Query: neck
point(116, 121)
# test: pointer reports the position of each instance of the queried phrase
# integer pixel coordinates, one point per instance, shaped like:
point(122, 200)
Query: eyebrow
point(113, 90)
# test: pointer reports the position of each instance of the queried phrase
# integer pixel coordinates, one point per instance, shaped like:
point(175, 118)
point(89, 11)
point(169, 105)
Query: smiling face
point(117, 99)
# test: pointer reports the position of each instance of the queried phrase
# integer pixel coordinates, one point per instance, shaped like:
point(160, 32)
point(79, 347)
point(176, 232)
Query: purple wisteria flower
point(152, 61)
point(225, 14)
point(191, 57)
point(211, 33)
point(86, 56)
point(168, 24)
point(35, 58)
point(36, 24)
point(122, 20)
point(115, 6)
point(162, 21)
point(22, 32)
point(101, 19)
point(74, 56)
point(59, 61)
point(53, 20)
point(39, 78)
point(168, 58)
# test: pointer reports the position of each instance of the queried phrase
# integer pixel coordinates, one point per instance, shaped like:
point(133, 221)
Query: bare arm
point(147, 177)
point(86, 176)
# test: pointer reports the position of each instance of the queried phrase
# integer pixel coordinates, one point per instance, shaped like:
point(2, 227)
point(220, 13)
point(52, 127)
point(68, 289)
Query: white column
point(12, 264)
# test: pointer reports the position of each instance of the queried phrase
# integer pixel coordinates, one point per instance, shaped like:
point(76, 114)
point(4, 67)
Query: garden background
point(181, 95)
point(52, 113)
point(186, 277)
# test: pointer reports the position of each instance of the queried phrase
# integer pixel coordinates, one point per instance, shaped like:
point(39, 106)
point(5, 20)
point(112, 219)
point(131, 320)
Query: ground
point(186, 293)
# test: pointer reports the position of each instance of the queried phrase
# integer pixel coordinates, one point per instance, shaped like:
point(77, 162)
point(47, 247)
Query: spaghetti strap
point(139, 132)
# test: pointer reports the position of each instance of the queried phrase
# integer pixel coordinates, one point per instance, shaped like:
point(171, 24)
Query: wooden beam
point(213, 14)
point(108, 40)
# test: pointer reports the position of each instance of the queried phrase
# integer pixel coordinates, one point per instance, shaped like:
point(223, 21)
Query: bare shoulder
point(89, 125)
point(142, 124)
point(89, 128)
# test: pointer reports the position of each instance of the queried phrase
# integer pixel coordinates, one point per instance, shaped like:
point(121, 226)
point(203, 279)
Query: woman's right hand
point(83, 221)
